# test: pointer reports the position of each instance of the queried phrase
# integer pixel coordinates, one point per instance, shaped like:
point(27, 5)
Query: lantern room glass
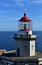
point(24, 26)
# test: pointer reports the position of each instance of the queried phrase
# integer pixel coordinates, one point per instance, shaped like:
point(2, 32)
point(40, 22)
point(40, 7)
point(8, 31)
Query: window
point(18, 51)
point(32, 47)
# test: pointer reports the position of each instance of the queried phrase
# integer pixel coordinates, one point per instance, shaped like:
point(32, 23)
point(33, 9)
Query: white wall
point(32, 49)
point(24, 52)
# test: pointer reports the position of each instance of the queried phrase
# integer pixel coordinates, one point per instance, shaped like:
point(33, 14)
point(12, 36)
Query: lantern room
point(25, 24)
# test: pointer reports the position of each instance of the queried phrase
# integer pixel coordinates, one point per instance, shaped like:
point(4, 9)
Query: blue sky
point(12, 10)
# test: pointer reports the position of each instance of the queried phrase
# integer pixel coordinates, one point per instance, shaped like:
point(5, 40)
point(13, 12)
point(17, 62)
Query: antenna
point(25, 10)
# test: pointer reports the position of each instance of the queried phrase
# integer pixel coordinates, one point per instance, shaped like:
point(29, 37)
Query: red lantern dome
point(25, 24)
point(25, 18)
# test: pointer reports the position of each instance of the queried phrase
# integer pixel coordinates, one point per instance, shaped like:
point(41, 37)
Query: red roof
point(25, 18)
point(1, 52)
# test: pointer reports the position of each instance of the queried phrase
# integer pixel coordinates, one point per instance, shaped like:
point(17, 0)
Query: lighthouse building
point(25, 40)
point(25, 46)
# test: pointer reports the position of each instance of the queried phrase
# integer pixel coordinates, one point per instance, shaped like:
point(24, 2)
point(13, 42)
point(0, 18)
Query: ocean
point(7, 42)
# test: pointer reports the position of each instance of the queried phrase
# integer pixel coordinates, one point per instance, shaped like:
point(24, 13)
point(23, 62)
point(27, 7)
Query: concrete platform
point(36, 60)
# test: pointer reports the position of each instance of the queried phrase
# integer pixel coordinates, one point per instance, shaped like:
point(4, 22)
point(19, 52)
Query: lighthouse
point(25, 40)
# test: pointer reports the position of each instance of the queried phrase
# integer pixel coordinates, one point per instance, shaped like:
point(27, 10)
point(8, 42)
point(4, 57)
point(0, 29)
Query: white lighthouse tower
point(25, 40)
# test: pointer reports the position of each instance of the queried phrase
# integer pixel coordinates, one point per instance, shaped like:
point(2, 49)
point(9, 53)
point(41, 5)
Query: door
point(18, 51)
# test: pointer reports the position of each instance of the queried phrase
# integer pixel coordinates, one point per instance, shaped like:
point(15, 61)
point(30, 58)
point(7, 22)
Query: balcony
point(28, 37)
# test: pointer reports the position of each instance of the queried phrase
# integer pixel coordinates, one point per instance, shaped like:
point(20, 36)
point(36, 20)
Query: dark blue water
point(7, 42)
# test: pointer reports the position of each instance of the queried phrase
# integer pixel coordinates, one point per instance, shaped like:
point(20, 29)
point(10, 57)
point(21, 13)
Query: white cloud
point(12, 3)
point(37, 1)
point(19, 3)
